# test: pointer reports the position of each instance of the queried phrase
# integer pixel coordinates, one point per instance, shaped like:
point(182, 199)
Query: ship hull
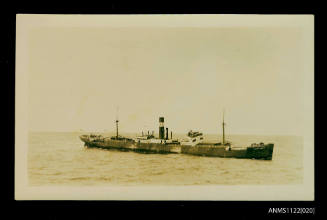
point(133, 146)
point(110, 145)
point(263, 152)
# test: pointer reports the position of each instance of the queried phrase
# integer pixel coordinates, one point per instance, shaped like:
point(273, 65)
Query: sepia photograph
point(164, 107)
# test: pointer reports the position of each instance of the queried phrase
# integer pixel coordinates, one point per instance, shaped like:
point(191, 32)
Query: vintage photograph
point(216, 107)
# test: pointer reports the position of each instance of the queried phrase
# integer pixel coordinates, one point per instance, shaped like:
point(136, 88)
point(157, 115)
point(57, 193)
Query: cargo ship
point(194, 144)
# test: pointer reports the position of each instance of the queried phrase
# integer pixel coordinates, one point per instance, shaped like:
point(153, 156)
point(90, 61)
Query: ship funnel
point(161, 128)
point(167, 133)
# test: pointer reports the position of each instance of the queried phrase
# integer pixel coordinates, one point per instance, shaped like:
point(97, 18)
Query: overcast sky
point(78, 76)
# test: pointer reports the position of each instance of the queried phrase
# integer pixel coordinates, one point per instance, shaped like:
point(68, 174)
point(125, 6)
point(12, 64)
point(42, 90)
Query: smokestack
point(117, 129)
point(171, 135)
point(161, 128)
point(167, 133)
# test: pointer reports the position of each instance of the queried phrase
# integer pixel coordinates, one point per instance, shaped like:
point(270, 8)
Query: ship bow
point(264, 153)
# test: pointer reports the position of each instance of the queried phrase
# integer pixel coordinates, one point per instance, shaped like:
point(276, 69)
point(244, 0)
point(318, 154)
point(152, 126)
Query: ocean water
point(61, 159)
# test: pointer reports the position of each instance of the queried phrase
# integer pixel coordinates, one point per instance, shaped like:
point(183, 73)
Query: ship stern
point(84, 138)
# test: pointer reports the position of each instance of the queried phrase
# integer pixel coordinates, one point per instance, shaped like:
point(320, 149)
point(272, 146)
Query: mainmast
point(223, 129)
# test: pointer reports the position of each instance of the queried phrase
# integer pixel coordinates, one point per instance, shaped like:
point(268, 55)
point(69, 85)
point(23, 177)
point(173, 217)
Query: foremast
point(117, 124)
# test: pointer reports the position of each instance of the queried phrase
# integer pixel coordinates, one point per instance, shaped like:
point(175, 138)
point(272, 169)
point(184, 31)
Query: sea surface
point(59, 158)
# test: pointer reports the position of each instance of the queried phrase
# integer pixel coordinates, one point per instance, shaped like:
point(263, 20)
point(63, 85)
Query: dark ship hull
point(263, 152)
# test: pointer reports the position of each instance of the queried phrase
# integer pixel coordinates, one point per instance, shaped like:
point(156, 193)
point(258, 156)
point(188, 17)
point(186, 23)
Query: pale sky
point(78, 76)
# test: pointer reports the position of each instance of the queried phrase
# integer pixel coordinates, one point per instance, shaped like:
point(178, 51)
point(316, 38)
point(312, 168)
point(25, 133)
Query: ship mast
point(117, 124)
point(223, 129)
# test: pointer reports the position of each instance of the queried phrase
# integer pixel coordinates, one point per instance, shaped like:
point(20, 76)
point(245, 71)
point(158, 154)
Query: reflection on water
point(61, 159)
